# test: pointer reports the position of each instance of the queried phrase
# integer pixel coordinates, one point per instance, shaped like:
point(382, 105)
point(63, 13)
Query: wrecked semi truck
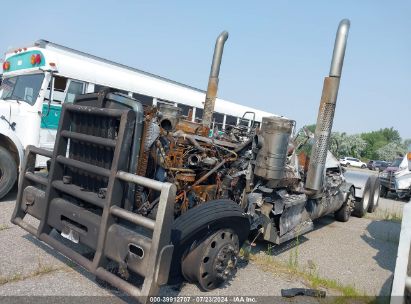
point(164, 198)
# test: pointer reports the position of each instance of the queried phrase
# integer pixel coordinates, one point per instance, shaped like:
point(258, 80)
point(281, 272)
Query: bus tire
point(197, 224)
point(8, 172)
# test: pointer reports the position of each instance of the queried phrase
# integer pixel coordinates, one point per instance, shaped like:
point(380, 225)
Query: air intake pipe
point(315, 174)
point(213, 80)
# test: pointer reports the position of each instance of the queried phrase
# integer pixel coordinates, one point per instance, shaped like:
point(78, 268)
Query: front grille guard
point(148, 255)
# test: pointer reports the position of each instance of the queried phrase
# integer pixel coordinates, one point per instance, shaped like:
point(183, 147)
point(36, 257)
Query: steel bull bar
point(135, 242)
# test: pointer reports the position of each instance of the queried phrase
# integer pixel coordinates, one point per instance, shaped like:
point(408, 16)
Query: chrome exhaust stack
point(315, 174)
point(213, 80)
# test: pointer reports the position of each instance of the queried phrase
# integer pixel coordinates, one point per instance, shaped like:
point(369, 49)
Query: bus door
point(62, 90)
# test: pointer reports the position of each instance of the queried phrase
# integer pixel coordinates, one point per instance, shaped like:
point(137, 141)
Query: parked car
point(396, 178)
point(351, 161)
point(377, 165)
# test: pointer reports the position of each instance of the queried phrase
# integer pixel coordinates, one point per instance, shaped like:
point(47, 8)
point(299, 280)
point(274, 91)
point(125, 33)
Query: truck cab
point(397, 178)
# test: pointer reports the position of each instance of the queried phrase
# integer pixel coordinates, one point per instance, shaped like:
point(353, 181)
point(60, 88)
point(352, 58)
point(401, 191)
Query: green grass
point(13, 278)
point(293, 258)
point(386, 215)
point(40, 270)
point(310, 274)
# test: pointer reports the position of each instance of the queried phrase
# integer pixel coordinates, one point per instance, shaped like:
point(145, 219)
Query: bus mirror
point(50, 98)
point(244, 117)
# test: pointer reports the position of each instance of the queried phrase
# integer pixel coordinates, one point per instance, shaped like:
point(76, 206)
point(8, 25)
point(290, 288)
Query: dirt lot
point(354, 258)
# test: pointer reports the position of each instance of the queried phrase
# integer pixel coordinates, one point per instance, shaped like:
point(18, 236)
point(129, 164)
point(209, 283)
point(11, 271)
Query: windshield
point(22, 88)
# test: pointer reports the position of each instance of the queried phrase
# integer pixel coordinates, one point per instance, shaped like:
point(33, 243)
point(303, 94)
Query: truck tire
point(8, 172)
point(361, 205)
point(214, 261)
point(375, 193)
point(383, 191)
point(344, 213)
point(194, 228)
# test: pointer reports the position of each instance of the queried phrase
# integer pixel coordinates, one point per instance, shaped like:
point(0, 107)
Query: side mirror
point(50, 99)
point(409, 160)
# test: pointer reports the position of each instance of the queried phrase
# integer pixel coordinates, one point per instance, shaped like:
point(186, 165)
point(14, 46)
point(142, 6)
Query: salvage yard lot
point(355, 258)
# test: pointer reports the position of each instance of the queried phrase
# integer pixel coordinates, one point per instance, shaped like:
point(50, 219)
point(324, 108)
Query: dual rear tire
point(370, 198)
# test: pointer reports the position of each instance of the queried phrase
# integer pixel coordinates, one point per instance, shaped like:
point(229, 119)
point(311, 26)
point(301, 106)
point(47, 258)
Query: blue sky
point(275, 59)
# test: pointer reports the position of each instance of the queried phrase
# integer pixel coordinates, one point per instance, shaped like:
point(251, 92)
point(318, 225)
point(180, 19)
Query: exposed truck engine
point(165, 198)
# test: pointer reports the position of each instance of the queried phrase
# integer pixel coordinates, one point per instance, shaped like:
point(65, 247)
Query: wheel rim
point(351, 200)
point(366, 199)
point(376, 197)
point(214, 261)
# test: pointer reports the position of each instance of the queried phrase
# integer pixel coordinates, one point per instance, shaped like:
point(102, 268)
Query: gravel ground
point(360, 253)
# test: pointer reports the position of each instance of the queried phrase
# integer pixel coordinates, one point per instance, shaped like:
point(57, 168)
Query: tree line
point(384, 144)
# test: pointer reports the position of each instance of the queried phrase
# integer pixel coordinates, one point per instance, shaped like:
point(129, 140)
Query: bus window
point(231, 120)
point(75, 88)
point(185, 109)
point(60, 84)
point(218, 117)
point(121, 92)
point(199, 114)
point(97, 88)
point(145, 100)
point(89, 88)
point(166, 102)
point(218, 120)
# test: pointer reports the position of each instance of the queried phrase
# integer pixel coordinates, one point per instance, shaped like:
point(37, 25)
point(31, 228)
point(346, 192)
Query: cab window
point(75, 88)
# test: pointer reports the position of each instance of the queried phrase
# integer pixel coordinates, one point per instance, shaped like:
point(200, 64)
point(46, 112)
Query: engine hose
point(180, 133)
point(204, 177)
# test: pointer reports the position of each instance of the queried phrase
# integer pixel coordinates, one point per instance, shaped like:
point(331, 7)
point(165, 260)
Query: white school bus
point(38, 79)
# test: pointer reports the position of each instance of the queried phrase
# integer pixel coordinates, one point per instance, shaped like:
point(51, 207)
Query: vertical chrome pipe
point(213, 80)
point(339, 48)
point(315, 174)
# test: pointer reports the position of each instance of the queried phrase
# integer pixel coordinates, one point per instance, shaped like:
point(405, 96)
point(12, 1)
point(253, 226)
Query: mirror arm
point(51, 94)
